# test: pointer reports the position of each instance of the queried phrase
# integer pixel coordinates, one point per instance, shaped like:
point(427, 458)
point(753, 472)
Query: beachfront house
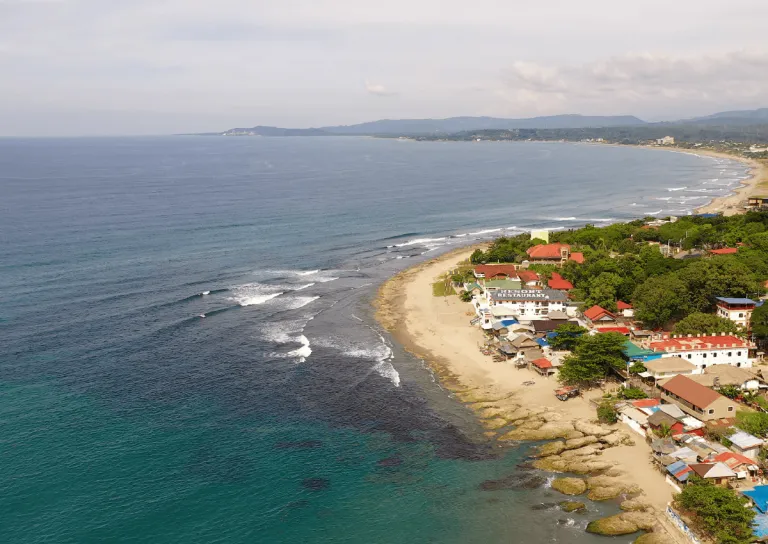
point(543, 366)
point(553, 254)
point(721, 375)
point(717, 473)
point(757, 202)
point(529, 279)
point(495, 271)
point(559, 283)
point(696, 400)
point(666, 140)
point(667, 367)
point(704, 351)
point(528, 303)
point(738, 310)
point(744, 467)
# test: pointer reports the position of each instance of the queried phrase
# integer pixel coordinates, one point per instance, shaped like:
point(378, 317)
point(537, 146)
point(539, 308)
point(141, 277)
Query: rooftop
point(621, 305)
point(548, 251)
point(596, 312)
point(542, 363)
point(669, 364)
point(491, 270)
point(745, 441)
point(740, 301)
point(691, 392)
point(692, 343)
point(724, 251)
point(713, 470)
point(558, 282)
point(527, 275)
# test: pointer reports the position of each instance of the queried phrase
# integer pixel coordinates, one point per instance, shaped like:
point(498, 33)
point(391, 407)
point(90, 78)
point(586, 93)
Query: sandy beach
point(437, 330)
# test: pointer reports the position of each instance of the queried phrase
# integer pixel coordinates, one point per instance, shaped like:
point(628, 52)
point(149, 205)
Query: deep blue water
point(188, 353)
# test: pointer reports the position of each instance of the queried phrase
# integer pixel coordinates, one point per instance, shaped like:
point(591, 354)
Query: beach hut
point(679, 471)
point(543, 366)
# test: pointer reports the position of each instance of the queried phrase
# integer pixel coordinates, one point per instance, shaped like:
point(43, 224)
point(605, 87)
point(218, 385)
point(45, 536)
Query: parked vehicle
point(568, 392)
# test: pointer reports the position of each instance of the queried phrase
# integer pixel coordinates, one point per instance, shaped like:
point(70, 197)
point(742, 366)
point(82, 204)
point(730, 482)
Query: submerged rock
point(301, 445)
point(316, 484)
point(569, 486)
point(529, 480)
point(544, 506)
point(393, 461)
point(572, 506)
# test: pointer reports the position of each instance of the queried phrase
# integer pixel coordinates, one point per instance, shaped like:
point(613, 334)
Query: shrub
point(606, 413)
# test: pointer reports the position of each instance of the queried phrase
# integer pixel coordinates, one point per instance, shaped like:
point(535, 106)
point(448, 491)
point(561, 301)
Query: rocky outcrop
point(616, 438)
point(546, 431)
point(576, 465)
point(572, 506)
point(636, 505)
point(625, 523)
point(569, 486)
point(602, 488)
point(652, 538)
point(590, 428)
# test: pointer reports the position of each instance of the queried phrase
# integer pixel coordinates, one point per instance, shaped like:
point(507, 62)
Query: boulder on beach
point(625, 523)
point(602, 488)
point(574, 443)
point(569, 486)
point(652, 538)
point(616, 438)
point(576, 465)
point(547, 431)
point(572, 506)
point(639, 504)
point(593, 449)
point(552, 448)
point(590, 428)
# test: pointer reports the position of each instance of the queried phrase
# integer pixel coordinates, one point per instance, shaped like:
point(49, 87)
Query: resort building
point(704, 351)
point(495, 271)
point(509, 283)
point(666, 140)
point(553, 254)
point(528, 303)
point(738, 310)
point(529, 278)
point(696, 400)
point(667, 367)
point(559, 283)
point(625, 309)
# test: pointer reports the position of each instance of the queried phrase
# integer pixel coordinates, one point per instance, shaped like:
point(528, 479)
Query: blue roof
point(729, 300)
point(676, 467)
point(542, 342)
point(759, 496)
point(706, 215)
point(760, 524)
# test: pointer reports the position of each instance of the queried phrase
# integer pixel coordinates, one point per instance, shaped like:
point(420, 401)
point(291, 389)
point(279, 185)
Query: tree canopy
point(759, 322)
point(593, 358)
point(755, 423)
point(719, 512)
point(660, 299)
point(566, 336)
point(700, 323)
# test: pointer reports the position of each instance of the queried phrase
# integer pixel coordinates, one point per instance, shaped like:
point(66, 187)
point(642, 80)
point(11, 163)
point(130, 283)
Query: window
point(689, 355)
point(710, 411)
point(703, 366)
point(704, 356)
point(741, 315)
point(738, 353)
point(730, 408)
point(714, 355)
point(730, 354)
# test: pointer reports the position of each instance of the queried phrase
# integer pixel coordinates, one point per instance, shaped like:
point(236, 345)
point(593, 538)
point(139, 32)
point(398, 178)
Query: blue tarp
point(760, 524)
point(543, 343)
point(759, 496)
point(676, 468)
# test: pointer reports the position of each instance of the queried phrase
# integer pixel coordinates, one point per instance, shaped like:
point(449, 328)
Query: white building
point(528, 303)
point(738, 310)
point(666, 140)
point(704, 351)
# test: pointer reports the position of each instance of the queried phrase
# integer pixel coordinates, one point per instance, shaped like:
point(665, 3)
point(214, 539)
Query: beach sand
point(437, 330)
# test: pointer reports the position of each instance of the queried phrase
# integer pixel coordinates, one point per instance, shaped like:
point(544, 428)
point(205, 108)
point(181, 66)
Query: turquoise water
point(284, 414)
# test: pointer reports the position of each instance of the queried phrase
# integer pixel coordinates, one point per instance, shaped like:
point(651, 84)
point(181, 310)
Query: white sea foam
point(419, 241)
point(303, 352)
point(381, 354)
point(601, 219)
point(205, 293)
point(664, 198)
point(304, 286)
point(655, 213)
point(294, 303)
point(676, 189)
point(561, 218)
point(252, 294)
point(486, 231)
point(386, 370)
point(306, 272)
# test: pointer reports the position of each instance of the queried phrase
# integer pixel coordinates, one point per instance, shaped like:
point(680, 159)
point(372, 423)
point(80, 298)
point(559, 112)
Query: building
point(596, 315)
point(757, 202)
point(553, 254)
point(559, 283)
point(746, 444)
point(697, 400)
point(543, 366)
point(704, 351)
point(667, 367)
point(495, 271)
point(528, 303)
point(666, 140)
point(509, 283)
point(717, 473)
point(626, 309)
point(720, 375)
point(723, 251)
point(529, 279)
point(738, 310)
point(743, 466)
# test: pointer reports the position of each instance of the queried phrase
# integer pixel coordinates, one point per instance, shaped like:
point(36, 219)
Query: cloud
point(376, 89)
point(633, 82)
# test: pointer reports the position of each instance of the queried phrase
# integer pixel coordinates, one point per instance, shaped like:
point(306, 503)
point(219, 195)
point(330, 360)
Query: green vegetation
point(632, 393)
point(465, 296)
point(566, 336)
point(442, 288)
point(593, 358)
point(624, 262)
point(755, 423)
point(759, 323)
point(663, 431)
point(606, 413)
point(700, 323)
point(718, 512)
point(637, 367)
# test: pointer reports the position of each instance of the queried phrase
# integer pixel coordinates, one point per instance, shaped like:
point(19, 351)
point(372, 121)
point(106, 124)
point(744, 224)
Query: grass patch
point(442, 288)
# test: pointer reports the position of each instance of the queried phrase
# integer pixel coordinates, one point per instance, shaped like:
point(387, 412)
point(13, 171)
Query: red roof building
point(645, 403)
point(699, 343)
point(543, 366)
point(495, 271)
point(621, 305)
point(553, 253)
point(620, 330)
point(559, 283)
point(724, 251)
point(596, 313)
point(528, 276)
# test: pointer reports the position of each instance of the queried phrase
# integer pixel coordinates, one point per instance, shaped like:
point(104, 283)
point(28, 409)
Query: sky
point(111, 67)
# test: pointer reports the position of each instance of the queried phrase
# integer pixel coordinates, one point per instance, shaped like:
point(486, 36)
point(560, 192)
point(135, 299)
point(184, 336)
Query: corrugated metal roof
point(745, 441)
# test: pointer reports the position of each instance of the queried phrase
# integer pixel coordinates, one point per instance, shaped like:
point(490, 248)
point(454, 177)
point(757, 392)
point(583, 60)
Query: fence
point(680, 524)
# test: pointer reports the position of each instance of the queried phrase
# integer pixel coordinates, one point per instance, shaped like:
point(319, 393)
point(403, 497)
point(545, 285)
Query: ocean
point(188, 348)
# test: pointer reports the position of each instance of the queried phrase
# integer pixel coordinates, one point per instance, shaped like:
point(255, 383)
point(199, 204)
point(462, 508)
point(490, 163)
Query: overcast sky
point(77, 67)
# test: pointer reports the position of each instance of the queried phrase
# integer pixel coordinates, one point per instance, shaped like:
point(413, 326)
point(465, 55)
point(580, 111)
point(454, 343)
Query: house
point(696, 400)
point(529, 278)
point(528, 303)
point(666, 140)
point(553, 254)
point(679, 470)
point(495, 271)
point(621, 330)
point(544, 326)
point(704, 351)
point(677, 421)
point(543, 366)
point(659, 419)
point(559, 283)
point(626, 309)
point(525, 347)
point(718, 473)
point(738, 310)
point(741, 465)
point(757, 202)
point(746, 444)
point(473, 288)
point(720, 375)
point(666, 367)
point(723, 251)
point(596, 314)
point(636, 419)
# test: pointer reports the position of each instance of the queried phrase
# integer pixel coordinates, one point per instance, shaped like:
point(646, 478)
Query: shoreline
point(437, 330)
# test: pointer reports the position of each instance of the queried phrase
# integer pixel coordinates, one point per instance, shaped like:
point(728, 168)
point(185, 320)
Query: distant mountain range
point(452, 125)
